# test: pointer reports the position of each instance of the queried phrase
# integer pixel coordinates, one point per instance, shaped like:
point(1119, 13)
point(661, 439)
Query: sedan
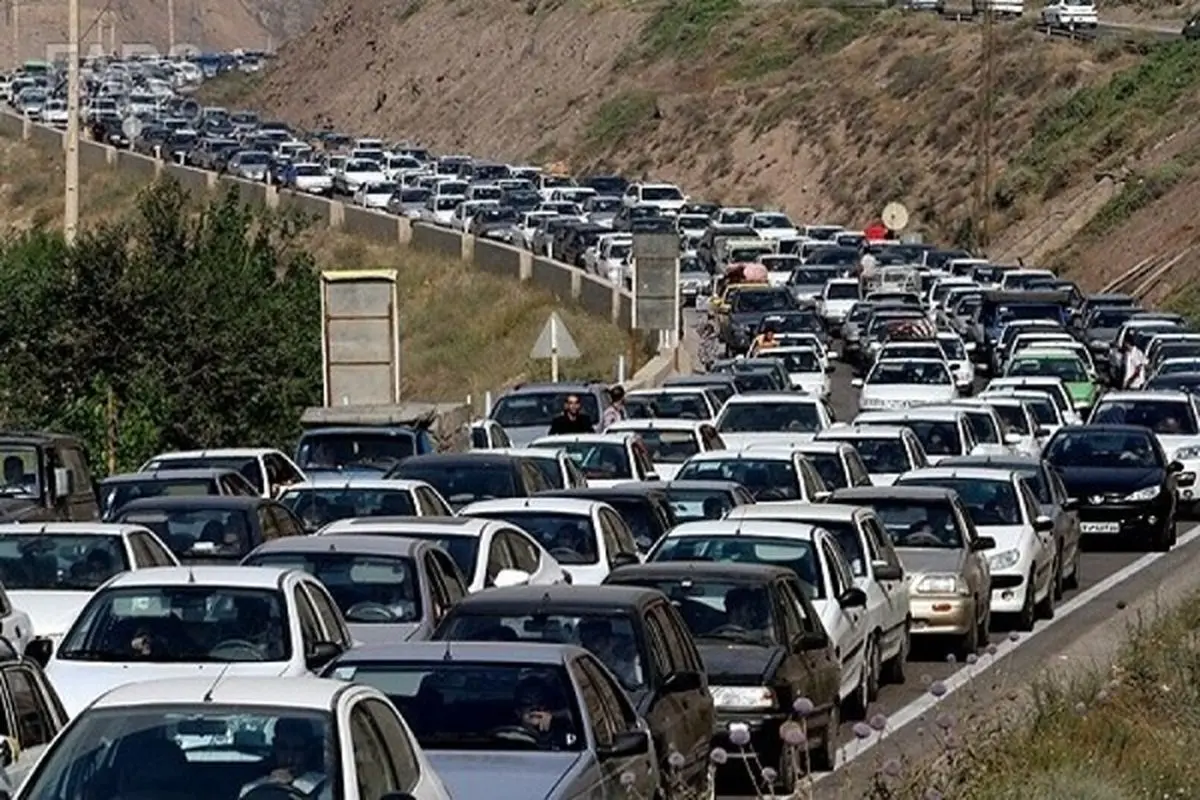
point(212, 529)
point(117, 490)
point(670, 441)
point(323, 500)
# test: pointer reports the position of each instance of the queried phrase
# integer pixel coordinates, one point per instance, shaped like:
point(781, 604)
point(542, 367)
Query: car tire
point(859, 701)
point(874, 667)
point(823, 757)
point(893, 670)
point(1028, 613)
point(1058, 582)
point(969, 643)
point(1045, 609)
point(1073, 581)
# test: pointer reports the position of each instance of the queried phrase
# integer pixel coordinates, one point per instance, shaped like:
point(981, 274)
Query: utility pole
point(983, 154)
point(170, 27)
point(71, 214)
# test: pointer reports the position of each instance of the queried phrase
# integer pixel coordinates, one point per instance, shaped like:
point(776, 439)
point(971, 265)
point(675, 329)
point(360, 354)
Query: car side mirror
point(853, 598)
point(626, 744)
point(1012, 438)
point(884, 571)
point(1175, 466)
point(1043, 524)
point(984, 543)
point(39, 651)
point(10, 751)
point(623, 560)
point(821, 497)
point(64, 483)
point(1043, 430)
point(321, 654)
point(1071, 504)
point(809, 641)
point(685, 681)
point(829, 369)
point(511, 577)
point(857, 383)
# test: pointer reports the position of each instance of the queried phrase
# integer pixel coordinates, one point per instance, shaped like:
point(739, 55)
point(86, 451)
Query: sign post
point(554, 343)
point(656, 285)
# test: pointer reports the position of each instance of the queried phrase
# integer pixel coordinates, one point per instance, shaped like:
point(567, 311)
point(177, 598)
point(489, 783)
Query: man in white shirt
point(1135, 366)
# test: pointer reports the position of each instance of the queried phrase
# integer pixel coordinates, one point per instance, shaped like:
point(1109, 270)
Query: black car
point(692, 501)
point(117, 490)
point(772, 640)
point(1175, 382)
point(1122, 479)
point(645, 507)
point(465, 478)
point(212, 529)
point(720, 385)
point(637, 633)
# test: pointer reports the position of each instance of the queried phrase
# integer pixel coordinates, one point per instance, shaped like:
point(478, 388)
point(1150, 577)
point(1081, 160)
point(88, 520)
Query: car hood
point(527, 775)
point(1082, 391)
point(50, 612)
point(386, 634)
point(747, 319)
point(929, 560)
point(909, 391)
point(738, 664)
point(1008, 537)
point(810, 382)
point(1082, 482)
point(525, 435)
point(80, 682)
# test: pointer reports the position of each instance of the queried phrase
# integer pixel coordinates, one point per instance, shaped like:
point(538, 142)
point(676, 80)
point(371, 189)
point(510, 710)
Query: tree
point(202, 329)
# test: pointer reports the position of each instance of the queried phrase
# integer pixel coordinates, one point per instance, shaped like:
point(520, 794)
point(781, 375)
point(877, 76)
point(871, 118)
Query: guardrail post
point(211, 179)
point(526, 266)
point(158, 168)
point(404, 226)
point(26, 128)
point(467, 248)
point(337, 214)
point(616, 303)
point(110, 156)
point(576, 283)
point(272, 196)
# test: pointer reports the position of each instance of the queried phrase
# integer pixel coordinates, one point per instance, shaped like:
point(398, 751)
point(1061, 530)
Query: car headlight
point(1005, 559)
point(1189, 452)
point(742, 697)
point(1149, 493)
point(942, 584)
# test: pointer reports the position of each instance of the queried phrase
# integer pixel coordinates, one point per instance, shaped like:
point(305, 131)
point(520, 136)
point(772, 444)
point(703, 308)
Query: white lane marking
point(908, 714)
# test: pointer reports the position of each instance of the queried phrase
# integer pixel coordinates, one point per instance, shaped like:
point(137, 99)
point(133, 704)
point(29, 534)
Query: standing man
point(615, 412)
point(572, 420)
point(1135, 365)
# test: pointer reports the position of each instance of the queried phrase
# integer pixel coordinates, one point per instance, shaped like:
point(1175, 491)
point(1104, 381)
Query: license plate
point(1100, 527)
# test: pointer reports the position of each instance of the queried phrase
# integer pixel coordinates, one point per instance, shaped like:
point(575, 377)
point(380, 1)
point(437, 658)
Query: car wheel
point(1028, 613)
point(859, 700)
point(822, 758)
point(1045, 609)
point(893, 671)
point(1072, 582)
point(874, 667)
point(1057, 580)
point(969, 644)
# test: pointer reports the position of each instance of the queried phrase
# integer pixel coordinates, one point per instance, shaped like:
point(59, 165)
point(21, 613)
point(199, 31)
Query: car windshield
point(1177, 366)
point(21, 471)
point(369, 589)
point(1170, 417)
point(895, 373)
point(668, 447)
point(842, 291)
point(1081, 448)
point(953, 349)
point(309, 170)
point(720, 611)
point(765, 417)
point(795, 554)
point(1105, 318)
point(906, 350)
point(605, 461)
point(1069, 369)
point(185, 624)
point(881, 456)
point(463, 481)
point(59, 561)
point(690, 505)
point(247, 466)
point(460, 705)
point(570, 538)
point(753, 302)
point(317, 507)
point(197, 533)
point(538, 409)
point(463, 550)
point(990, 502)
point(115, 495)
point(811, 277)
point(938, 438)
point(767, 479)
point(1013, 418)
point(667, 405)
point(152, 750)
point(830, 468)
point(656, 193)
point(913, 523)
point(800, 360)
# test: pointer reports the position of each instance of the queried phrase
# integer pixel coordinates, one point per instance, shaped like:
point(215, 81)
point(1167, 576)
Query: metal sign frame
point(389, 316)
point(656, 282)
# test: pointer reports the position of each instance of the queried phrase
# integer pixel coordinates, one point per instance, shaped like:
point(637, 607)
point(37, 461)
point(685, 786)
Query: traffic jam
point(892, 447)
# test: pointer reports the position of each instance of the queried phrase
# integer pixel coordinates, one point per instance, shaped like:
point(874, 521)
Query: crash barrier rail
point(595, 295)
point(1143, 277)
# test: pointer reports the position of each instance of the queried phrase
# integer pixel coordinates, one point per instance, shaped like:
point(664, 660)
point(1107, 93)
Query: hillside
point(827, 113)
point(207, 24)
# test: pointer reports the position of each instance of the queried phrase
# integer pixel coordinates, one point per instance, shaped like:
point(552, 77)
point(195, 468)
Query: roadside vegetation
point(232, 89)
point(682, 28)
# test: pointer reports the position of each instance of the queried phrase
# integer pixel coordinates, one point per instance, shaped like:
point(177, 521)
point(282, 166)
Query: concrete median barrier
point(625, 311)
point(11, 125)
point(439, 240)
point(373, 226)
point(248, 191)
point(46, 137)
point(498, 259)
point(141, 166)
point(597, 297)
point(94, 157)
point(554, 277)
point(307, 205)
point(195, 181)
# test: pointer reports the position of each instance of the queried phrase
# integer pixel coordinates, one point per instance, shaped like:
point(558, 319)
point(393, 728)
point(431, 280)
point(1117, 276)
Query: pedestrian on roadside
point(616, 411)
point(572, 419)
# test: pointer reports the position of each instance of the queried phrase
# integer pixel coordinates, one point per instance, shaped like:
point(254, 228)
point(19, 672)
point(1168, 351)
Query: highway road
point(1106, 576)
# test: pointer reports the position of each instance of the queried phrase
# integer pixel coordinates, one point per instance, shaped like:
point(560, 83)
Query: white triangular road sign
point(554, 335)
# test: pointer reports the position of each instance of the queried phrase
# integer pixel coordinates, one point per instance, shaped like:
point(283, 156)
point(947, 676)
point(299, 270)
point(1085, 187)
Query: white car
point(1052, 387)
point(149, 624)
point(1045, 413)
point(671, 402)
point(54, 113)
point(355, 172)
point(157, 733)
point(1020, 426)
point(1071, 14)
point(876, 569)
point(671, 441)
point(269, 471)
point(32, 716)
point(487, 553)
point(941, 288)
point(375, 195)
point(900, 384)
point(464, 213)
point(1025, 563)
point(604, 459)
point(773, 225)
point(807, 371)
point(559, 469)
point(887, 450)
point(908, 350)
point(780, 417)
point(77, 557)
point(780, 267)
point(528, 227)
point(439, 209)
point(986, 426)
point(958, 356)
point(487, 434)
point(838, 463)
point(944, 431)
point(310, 178)
point(588, 538)
point(328, 497)
point(769, 473)
point(665, 196)
point(837, 298)
point(819, 563)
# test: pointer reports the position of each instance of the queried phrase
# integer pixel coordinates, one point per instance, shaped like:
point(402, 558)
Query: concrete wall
point(193, 180)
point(11, 125)
point(144, 167)
point(46, 137)
point(371, 225)
point(439, 240)
point(498, 259)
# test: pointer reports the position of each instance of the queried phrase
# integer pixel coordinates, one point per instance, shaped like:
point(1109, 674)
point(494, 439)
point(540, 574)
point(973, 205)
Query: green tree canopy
point(203, 326)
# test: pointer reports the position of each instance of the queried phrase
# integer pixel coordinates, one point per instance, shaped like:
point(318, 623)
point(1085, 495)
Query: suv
point(46, 478)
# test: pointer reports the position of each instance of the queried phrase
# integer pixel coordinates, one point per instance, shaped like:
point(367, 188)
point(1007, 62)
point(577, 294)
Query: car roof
point(309, 693)
point(469, 457)
point(1155, 395)
point(913, 413)
point(1012, 461)
point(767, 453)
point(216, 452)
point(991, 473)
point(697, 484)
point(635, 425)
point(168, 475)
point(833, 512)
point(173, 502)
point(784, 396)
point(750, 527)
point(71, 528)
point(341, 481)
point(1108, 428)
point(851, 431)
point(494, 652)
point(202, 575)
point(551, 505)
point(356, 544)
point(700, 570)
point(558, 598)
point(826, 446)
point(585, 438)
point(625, 489)
point(869, 494)
point(398, 526)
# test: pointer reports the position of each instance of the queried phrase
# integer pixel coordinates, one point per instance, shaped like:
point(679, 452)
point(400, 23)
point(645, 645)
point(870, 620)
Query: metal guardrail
point(1140, 279)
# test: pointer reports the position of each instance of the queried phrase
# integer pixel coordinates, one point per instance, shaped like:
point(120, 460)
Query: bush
point(200, 329)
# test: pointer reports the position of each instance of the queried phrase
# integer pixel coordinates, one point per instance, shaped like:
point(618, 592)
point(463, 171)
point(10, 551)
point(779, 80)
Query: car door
point(15, 625)
point(400, 748)
point(283, 472)
point(374, 769)
point(692, 705)
point(611, 713)
point(1047, 550)
point(893, 615)
point(499, 557)
point(285, 521)
point(815, 673)
point(619, 546)
point(307, 627)
point(333, 624)
point(1067, 519)
point(36, 715)
point(847, 626)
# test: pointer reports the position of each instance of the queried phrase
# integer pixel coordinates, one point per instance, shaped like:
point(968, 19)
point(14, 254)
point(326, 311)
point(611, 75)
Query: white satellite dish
point(131, 127)
point(895, 216)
